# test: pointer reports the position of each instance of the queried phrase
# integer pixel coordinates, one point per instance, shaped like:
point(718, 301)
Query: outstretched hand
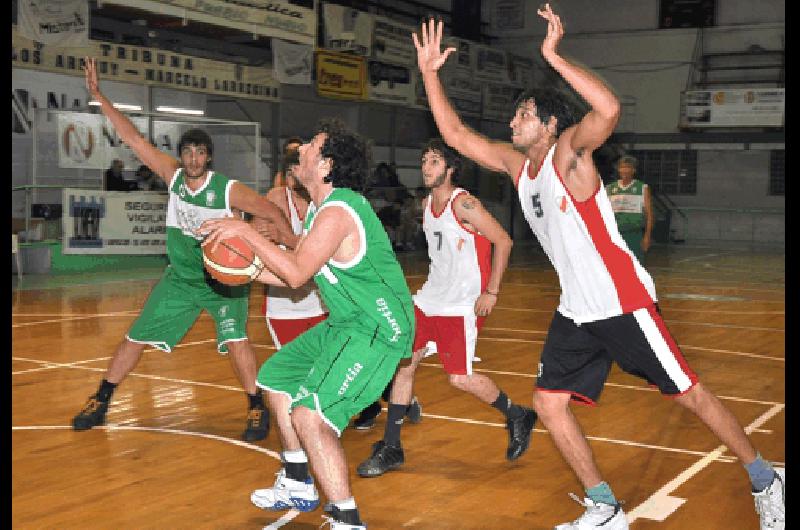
point(554, 31)
point(90, 72)
point(429, 52)
point(216, 230)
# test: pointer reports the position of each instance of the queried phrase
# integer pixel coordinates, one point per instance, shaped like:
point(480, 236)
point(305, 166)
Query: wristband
point(491, 293)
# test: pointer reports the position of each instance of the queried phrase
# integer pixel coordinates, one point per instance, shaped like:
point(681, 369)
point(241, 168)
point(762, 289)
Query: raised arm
point(470, 211)
point(598, 124)
point(159, 162)
point(497, 156)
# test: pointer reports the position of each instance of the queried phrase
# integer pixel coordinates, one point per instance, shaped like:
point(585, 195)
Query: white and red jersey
point(599, 276)
point(461, 261)
point(284, 302)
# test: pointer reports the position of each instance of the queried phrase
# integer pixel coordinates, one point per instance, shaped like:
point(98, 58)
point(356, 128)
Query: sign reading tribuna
point(148, 66)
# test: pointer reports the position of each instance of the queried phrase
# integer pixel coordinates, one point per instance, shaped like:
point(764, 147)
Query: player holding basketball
point(196, 193)
point(460, 292)
point(607, 309)
point(289, 312)
point(317, 382)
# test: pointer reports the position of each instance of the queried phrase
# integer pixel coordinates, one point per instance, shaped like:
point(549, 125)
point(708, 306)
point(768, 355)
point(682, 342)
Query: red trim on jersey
point(574, 396)
point(434, 214)
point(673, 347)
point(631, 292)
point(483, 247)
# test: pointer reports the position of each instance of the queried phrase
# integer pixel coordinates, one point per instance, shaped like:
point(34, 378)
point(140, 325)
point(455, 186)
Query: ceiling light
point(178, 110)
point(120, 106)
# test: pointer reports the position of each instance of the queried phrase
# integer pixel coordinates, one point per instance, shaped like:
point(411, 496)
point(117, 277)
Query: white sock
point(347, 504)
point(295, 457)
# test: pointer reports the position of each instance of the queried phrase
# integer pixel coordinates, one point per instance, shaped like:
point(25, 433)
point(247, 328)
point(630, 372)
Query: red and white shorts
point(452, 337)
point(285, 330)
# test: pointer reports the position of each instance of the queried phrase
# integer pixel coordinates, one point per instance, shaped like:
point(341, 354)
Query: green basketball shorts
point(333, 370)
point(174, 305)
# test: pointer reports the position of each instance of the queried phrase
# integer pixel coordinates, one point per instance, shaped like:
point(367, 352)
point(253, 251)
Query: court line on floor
point(617, 385)
point(662, 503)
point(284, 520)
point(69, 319)
point(665, 309)
point(681, 346)
point(628, 443)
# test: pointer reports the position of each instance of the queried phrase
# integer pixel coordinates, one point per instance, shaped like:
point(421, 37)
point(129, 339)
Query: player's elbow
point(296, 280)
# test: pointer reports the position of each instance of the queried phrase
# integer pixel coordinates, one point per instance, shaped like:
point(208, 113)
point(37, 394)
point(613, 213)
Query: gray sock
point(761, 473)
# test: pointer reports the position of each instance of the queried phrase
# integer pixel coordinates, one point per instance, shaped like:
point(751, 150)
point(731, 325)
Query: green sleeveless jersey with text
point(186, 211)
point(628, 204)
point(368, 293)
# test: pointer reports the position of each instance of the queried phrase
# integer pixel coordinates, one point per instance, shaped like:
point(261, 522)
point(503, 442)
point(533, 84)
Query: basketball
point(233, 262)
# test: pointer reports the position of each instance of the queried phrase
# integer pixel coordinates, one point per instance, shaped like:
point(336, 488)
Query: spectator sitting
point(146, 180)
point(113, 180)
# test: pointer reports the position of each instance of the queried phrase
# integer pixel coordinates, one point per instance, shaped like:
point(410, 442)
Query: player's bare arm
point(267, 228)
point(573, 156)
point(474, 216)
point(159, 162)
point(246, 199)
point(333, 235)
point(496, 156)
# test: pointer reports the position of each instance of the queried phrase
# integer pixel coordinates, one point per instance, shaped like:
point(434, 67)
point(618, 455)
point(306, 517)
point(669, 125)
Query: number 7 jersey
point(599, 276)
point(461, 262)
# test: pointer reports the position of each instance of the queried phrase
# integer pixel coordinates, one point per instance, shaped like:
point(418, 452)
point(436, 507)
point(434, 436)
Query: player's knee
point(548, 405)
point(693, 398)
point(460, 381)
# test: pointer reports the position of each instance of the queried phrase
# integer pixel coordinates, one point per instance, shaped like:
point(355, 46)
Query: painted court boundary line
point(284, 520)
point(661, 504)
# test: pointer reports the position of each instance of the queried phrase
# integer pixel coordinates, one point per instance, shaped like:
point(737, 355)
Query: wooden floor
point(170, 456)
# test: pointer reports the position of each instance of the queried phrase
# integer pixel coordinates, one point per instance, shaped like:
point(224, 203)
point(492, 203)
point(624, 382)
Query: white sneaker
point(287, 494)
point(597, 515)
point(771, 503)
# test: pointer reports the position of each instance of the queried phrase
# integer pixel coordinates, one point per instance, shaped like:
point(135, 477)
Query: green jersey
point(628, 204)
point(186, 211)
point(369, 292)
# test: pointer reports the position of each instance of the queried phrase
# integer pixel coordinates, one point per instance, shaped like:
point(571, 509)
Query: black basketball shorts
point(576, 359)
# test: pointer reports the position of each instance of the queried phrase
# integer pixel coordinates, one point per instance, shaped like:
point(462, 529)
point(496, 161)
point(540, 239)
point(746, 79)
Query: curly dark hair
point(196, 137)
point(549, 102)
point(349, 153)
point(451, 158)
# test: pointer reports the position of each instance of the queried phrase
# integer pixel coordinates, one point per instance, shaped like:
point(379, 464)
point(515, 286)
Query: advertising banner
point(732, 107)
point(491, 64)
point(62, 23)
point(114, 222)
point(347, 29)
point(392, 42)
point(292, 63)
point(498, 101)
point(341, 76)
point(390, 83)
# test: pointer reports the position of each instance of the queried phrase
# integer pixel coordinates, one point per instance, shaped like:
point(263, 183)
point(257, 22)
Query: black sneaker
point(384, 458)
point(366, 420)
point(519, 433)
point(92, 415)
point(414, 411)
point(257, 424)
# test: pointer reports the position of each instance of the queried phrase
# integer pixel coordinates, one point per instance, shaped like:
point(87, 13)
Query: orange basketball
point(233, 262)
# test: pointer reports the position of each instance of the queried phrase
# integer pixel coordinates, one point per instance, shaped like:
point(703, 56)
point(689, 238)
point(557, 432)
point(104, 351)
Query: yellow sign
point(341, 76)
point(148, 66)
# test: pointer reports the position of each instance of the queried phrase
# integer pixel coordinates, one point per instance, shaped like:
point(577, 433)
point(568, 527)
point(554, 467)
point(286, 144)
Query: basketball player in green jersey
point(630, 200)
point(196, 193)
point(317, 382)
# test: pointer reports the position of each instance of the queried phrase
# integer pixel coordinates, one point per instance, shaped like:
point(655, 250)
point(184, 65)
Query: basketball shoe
point(366, 420)
point(414, 411)
point(384, 458)
point(287, 494)
point(257, 424)
point(519, 433)
point(92, 414)
point(597, 515)
point(771, 503)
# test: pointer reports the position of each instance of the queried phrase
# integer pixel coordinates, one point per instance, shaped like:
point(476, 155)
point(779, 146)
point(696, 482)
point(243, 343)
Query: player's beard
point(199, 175)
point(438, 181)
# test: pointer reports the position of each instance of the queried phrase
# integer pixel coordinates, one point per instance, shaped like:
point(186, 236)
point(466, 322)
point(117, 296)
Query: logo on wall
point(78, 141)
point(86, 215)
